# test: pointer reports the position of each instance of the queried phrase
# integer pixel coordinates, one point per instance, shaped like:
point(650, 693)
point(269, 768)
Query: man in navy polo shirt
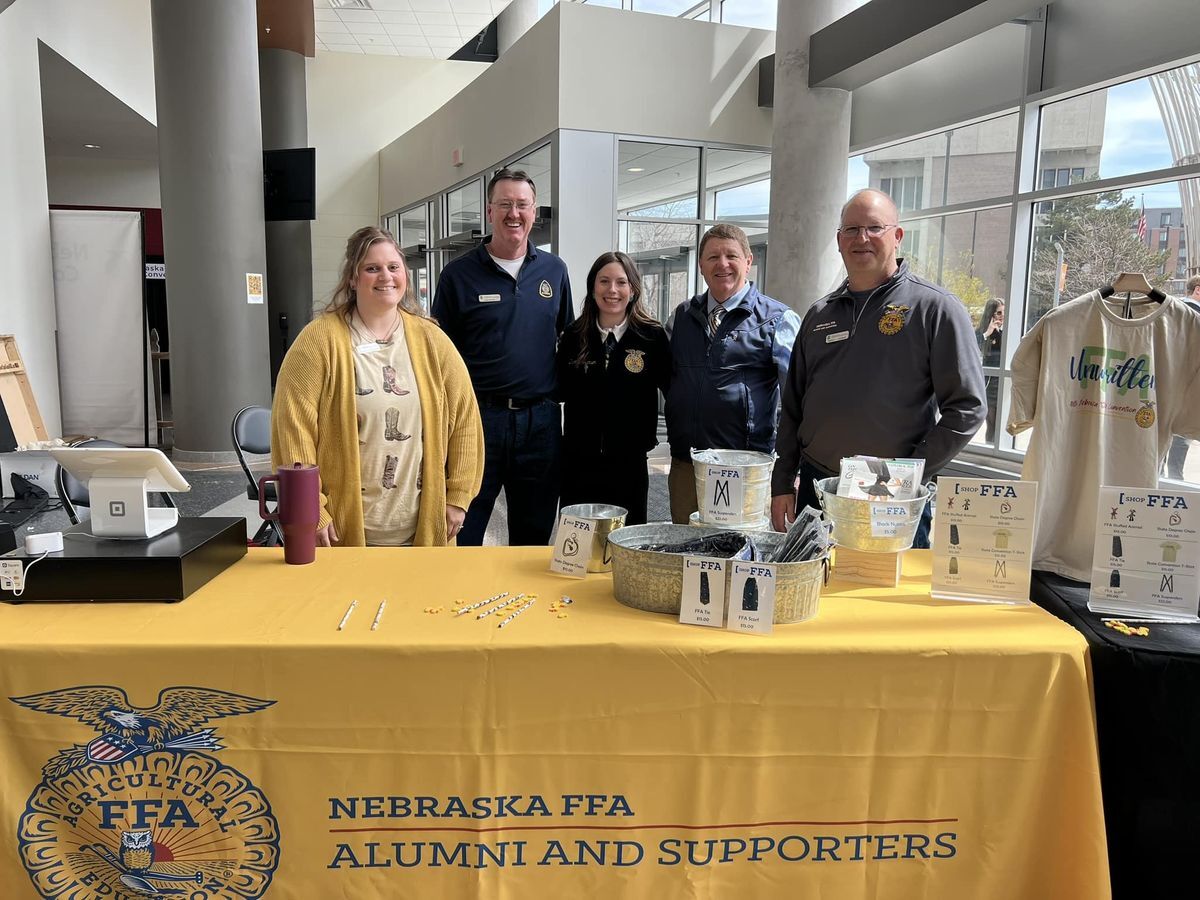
point(504, 304)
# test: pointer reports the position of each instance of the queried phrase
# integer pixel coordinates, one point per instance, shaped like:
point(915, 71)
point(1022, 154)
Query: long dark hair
point(343, 302)
point(635, 312)
point(985, 318)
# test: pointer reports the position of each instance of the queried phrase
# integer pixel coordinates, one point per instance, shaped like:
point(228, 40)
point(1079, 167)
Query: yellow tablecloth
point(894, 747)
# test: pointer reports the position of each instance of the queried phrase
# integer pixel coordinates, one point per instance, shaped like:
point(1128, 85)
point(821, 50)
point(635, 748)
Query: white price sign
point(572, 547)
point(724, 495)
point(703, 598)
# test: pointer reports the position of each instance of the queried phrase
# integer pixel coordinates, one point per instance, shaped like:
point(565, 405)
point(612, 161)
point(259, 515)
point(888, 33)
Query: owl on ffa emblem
point(635, 360)
point(545, 290)
point(129, 810)
point(892, 320)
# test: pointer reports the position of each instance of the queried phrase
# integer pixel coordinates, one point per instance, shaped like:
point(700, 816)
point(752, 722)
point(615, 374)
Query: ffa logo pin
point(545, 290)
point(634, 360)
point(1145, 416)
point(892, 320)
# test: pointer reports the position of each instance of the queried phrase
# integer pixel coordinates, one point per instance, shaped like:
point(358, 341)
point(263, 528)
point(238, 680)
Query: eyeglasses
point(852, 232)
point(508, 206)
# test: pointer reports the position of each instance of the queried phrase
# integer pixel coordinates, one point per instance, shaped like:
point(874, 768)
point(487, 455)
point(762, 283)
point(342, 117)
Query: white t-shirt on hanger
point(1103, 395)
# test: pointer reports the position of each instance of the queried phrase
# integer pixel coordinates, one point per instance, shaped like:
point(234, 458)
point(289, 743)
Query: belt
point(508, 402)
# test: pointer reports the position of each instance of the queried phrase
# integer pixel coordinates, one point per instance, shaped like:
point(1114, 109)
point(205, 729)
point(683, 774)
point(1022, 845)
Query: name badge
point(838, 336)
point(489, 298)
point(368, 347)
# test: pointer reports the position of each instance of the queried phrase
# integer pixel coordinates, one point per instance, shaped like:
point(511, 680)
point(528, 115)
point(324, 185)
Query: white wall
point(76, 181)
point(639, 73)
point(588, 68)
point(585, 196)
point(110, 42)
point(356, 104)
point(513, 103)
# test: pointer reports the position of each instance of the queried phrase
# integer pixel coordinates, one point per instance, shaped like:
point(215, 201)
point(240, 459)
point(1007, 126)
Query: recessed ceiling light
point(91, 146)
point(636, 169)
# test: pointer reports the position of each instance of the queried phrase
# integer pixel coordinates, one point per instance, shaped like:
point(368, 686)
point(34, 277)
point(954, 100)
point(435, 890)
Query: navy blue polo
point(506, 329)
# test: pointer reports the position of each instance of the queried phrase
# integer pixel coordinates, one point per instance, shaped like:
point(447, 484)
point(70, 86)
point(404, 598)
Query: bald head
point(870, 258)
point(869, 198)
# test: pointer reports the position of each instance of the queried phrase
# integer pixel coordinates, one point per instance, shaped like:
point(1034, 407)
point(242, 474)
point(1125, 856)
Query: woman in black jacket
point(612, 362)
point(989, 334)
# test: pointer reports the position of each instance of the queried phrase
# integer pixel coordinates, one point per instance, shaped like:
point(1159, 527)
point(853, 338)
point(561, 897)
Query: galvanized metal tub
point(763, 524)
point(851, 517)
point(652, 581)
point(605, 519)
point(754, 470)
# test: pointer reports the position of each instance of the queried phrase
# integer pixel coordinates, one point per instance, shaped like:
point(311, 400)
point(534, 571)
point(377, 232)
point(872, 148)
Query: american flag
point(1141, 231)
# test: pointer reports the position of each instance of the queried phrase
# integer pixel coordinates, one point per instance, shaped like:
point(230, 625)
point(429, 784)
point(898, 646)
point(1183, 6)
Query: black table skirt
point(1147, 692)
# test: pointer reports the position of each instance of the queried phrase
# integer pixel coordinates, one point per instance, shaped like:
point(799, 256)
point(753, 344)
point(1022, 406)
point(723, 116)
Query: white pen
point(467, 609)
point(505, 605)
point(378, 615)
point(518, 611)
point(346, 617)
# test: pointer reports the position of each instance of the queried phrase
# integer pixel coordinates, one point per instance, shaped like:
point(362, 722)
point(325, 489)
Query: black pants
point(522, 456)
point(618, 479)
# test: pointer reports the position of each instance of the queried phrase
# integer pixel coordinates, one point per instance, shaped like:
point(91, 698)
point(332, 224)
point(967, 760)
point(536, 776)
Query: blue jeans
point(523, 449)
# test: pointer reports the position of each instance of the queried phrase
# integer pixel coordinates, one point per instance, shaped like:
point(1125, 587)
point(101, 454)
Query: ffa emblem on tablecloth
point(142, 809)
point(635, 360)
point(1145, 416)
point(892, 320)
point(545, 290)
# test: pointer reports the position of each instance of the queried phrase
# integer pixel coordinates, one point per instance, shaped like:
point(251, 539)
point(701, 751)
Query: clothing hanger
point(1131, 282)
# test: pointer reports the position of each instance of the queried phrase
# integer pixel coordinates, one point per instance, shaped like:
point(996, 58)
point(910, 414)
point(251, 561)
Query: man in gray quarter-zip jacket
point(887, 365)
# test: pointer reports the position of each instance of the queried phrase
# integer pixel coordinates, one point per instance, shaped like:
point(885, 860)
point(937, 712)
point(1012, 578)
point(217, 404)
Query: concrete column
point(808, 161)
point(210, 174)
point(289, 244)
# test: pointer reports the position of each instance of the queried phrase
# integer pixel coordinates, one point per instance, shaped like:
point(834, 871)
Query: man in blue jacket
point(504, 304)
point(730, 348)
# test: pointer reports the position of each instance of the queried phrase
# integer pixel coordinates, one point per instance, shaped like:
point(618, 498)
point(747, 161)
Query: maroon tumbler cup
point(299, 489)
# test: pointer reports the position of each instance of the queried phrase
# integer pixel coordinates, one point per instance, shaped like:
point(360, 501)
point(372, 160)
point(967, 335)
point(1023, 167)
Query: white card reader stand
point(118, 479)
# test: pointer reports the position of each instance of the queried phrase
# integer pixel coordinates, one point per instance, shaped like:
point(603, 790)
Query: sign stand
point(867, 568)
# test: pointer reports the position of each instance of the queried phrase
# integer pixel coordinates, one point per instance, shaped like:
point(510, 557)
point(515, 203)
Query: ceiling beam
point(885, 35)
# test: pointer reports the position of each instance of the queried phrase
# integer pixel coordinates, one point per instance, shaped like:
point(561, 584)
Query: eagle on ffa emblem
point(892, 320)
point(635, 360)
point(127, 730)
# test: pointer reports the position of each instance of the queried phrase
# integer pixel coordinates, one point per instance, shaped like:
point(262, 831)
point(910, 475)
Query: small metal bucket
point(606, 519)
point(753, 471)
point(851, 517)
point(653, 581)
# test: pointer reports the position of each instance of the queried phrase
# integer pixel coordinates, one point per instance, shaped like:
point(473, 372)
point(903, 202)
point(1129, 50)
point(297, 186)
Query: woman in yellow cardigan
point(376, 395)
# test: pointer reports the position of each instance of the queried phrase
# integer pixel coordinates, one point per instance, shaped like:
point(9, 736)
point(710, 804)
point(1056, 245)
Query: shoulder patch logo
point(545, 290)
point(145, 808)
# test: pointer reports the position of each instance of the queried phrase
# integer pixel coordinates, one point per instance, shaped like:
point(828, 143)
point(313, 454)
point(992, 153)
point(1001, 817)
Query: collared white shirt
point(617, 331)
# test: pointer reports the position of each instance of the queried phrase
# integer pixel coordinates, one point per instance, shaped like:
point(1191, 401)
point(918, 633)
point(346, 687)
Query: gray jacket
point(874, 379)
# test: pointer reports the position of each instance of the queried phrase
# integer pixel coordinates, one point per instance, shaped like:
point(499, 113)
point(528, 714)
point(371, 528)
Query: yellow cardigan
point(314, 420)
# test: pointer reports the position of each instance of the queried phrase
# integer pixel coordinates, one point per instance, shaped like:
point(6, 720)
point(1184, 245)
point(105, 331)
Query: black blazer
point(613, 408)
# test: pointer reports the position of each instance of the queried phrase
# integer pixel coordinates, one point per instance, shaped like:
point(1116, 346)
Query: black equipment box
point(167, 568)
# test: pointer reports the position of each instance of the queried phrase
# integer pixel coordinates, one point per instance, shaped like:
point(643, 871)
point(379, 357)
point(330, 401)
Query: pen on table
point(378, 615)
point(346, 617)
